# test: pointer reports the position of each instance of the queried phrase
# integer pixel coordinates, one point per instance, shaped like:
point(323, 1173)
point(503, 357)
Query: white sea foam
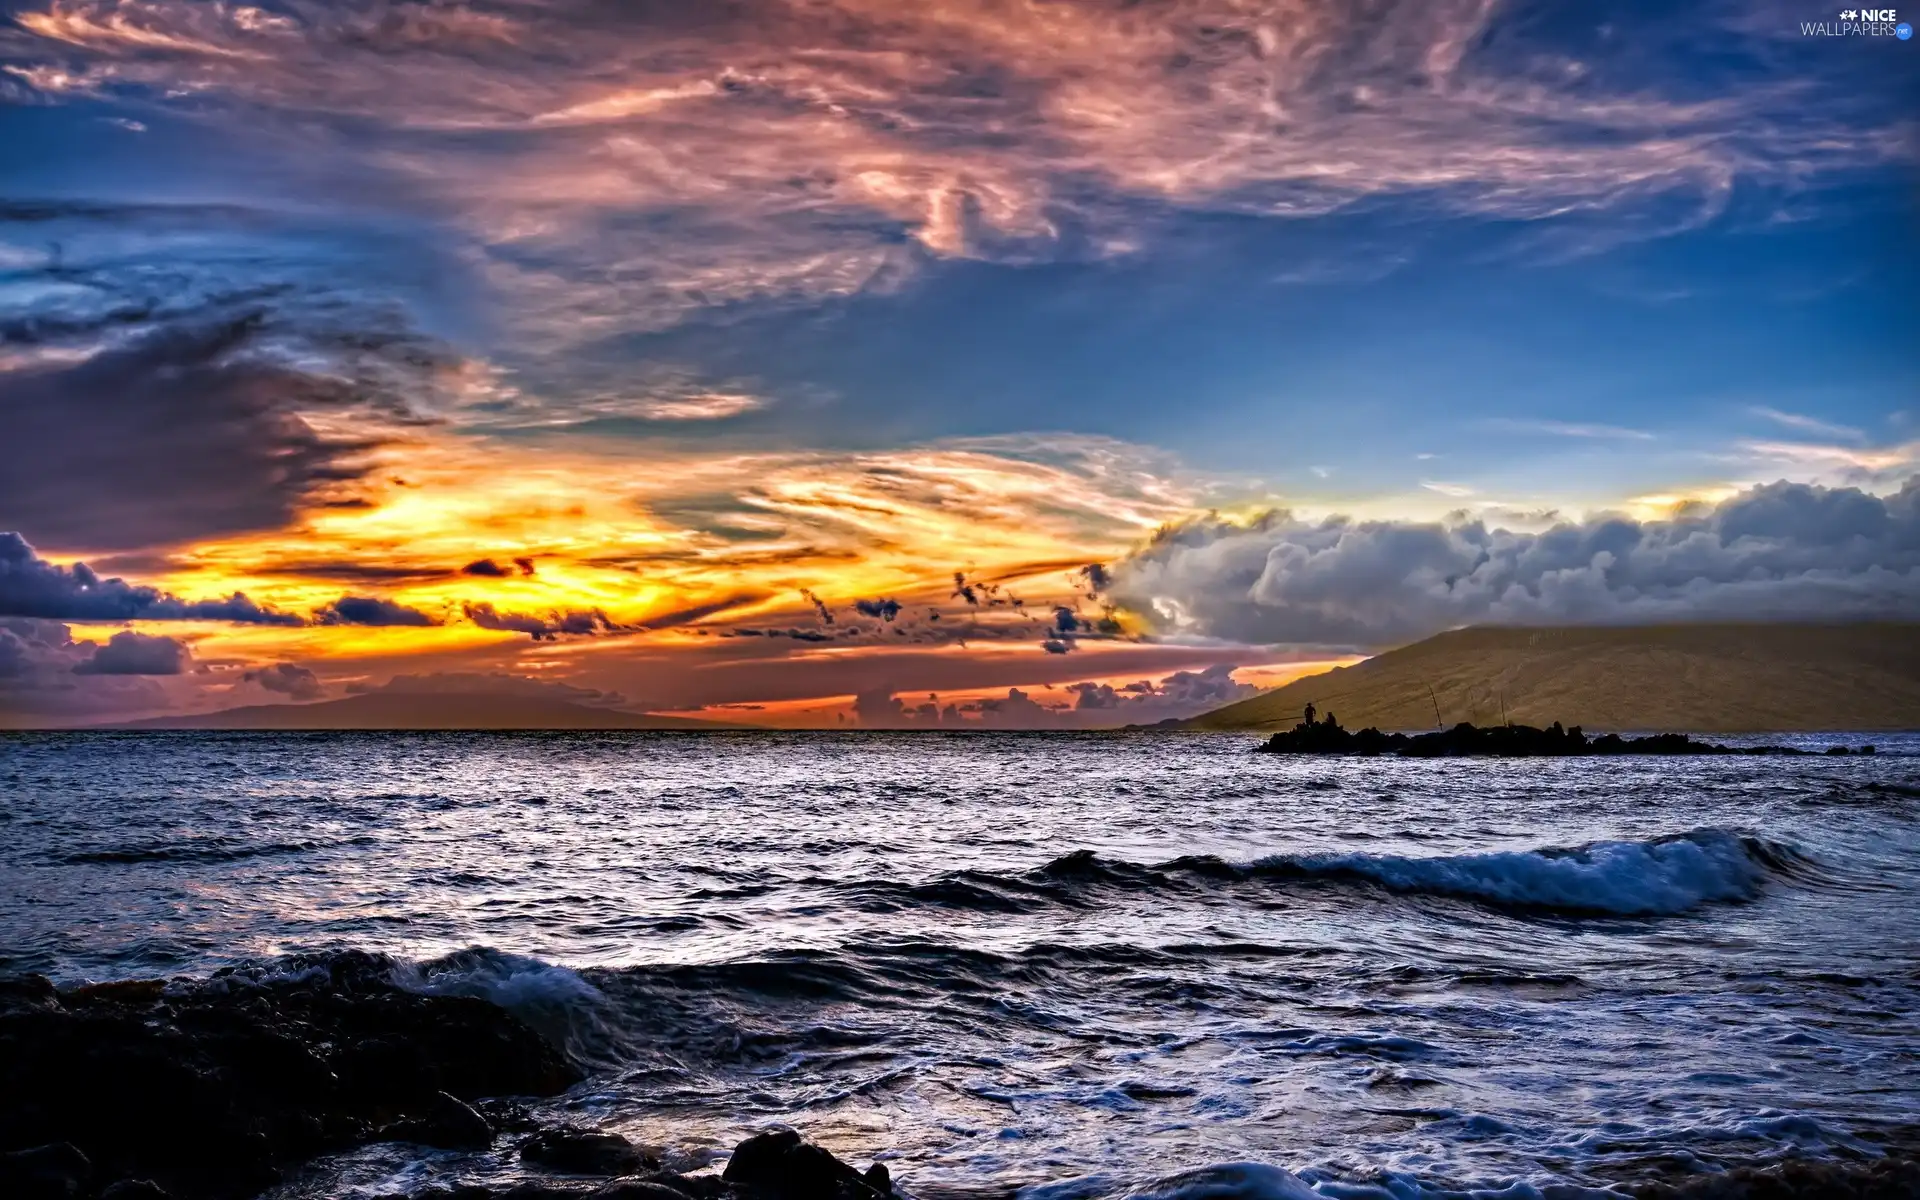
point(556, 1001)
point(1228, 1181)
point(1645, 878)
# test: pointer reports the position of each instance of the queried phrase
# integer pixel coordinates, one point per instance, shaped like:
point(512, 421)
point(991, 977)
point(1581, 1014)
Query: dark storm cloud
point(487, 568)
point(548, 626)
point(371, 610)
point(30, 586)
point(819, 606)
point(288, 679)
point(130, 653)
point(152, 401)
point(1783, 551)
point(885, 610)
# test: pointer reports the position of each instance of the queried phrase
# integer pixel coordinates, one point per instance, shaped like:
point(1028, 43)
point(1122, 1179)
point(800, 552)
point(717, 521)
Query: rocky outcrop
point(1501, 741)
point(208, 1089)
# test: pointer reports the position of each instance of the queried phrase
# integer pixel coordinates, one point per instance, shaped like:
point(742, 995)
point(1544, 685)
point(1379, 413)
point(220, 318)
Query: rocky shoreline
point(216, 1089)
point(222, 1088)
point(1326, 737)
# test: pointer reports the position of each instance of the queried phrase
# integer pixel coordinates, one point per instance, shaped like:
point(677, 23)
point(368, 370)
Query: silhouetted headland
point(1326, 737)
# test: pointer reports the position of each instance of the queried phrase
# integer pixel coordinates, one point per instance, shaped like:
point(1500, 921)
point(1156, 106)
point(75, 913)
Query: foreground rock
point(209, 1089)
point(1501, 741)
point(1887, 1179)
point(777, 1165)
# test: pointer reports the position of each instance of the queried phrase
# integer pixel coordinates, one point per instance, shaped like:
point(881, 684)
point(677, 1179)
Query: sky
point(1052, 363)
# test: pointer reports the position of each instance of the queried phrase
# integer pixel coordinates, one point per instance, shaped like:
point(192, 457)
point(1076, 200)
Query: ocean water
point(1056, 965)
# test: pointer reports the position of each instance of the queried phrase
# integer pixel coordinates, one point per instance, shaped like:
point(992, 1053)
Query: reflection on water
point(1013, 960)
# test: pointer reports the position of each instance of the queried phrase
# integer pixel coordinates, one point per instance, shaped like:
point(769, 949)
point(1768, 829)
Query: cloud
point(371, 610)
point(1568, 429)
point(547, 627)
point(1806, 424)
point(47, 677)
point(130, 653)
point(30, 586)
point(287, 679)
point(884, 610)
point(1095, 704)
point(498, 683)
point(487, 568)
point(1782, 551)
point(167, 405)
point(703, 406)
point(1181, 694)
point(620, 168)
point(819, 606)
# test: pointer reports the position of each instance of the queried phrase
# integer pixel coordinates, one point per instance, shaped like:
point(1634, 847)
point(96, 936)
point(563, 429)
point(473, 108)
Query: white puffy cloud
point(1782, 551)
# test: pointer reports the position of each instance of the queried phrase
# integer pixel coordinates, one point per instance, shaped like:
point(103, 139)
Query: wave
point(1661, 876)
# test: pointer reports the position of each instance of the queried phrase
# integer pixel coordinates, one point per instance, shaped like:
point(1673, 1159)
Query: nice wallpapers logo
point(1860, 22)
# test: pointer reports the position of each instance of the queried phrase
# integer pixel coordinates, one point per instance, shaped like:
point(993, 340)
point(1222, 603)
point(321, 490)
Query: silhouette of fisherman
point(1331, 723)
point(1310, 712)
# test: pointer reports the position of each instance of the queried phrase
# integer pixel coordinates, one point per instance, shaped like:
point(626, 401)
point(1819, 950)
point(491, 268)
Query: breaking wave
point(1661, 876)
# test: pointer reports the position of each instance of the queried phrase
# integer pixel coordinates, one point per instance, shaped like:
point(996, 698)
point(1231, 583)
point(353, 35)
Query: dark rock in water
point(642, 1189)
point(52, 1172)
point(208, 1088)
point(768, 1166)
point(1886, 1179)
point(581, 1152)
point(1498, 741)
point(136, 1189)
point(780, 1166)
point(448, 1124)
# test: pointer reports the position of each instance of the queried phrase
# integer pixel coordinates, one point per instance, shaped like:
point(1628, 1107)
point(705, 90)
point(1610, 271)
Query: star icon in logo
point(1849, 14)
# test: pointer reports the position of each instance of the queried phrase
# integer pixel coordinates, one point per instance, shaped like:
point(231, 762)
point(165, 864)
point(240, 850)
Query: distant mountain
point(1693, 678)
point(425, 710)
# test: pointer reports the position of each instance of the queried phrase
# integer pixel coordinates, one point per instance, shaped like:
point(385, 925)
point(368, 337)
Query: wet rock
point(640, 1189)
point(27, 993)
point(1885, 1179)
point(448, 1124)
point(50, 1172)
point(209, 1088)
point(580, 1152)
point(779, 1165)
point(136, 1189)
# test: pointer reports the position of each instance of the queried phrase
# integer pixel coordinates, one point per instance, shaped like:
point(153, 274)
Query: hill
point(1693, 678)
point(410, 710)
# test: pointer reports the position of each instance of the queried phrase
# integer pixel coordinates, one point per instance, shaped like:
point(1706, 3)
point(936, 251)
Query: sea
point(1051, 966)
